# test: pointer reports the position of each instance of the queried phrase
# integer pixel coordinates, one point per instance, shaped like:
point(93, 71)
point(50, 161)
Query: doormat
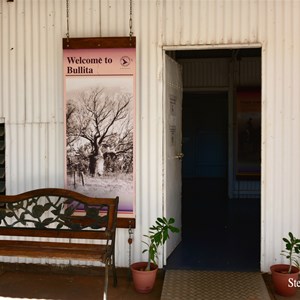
point(213, 285)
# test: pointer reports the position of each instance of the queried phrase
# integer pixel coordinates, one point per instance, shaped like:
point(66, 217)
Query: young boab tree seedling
point(158, 234)
point(291, 251)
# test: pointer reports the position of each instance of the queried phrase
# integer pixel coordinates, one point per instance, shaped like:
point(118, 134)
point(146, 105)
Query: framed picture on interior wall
point(100, 122)
point(248, 158)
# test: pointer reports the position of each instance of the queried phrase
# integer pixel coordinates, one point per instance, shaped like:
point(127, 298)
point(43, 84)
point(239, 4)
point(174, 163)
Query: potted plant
point(144, 273)
point(285, 276)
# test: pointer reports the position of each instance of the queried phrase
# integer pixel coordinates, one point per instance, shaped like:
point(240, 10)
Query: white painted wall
point(31, 93)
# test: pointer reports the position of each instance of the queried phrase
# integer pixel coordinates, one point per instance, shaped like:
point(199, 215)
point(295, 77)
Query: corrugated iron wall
point(205, 73)
point(31, 93)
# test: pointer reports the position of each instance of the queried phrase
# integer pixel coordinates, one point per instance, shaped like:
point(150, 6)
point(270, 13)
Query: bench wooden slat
point(54, 233)
point(53, 250)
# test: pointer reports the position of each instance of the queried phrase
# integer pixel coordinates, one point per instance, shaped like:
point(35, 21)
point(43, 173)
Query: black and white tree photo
point(99, 137)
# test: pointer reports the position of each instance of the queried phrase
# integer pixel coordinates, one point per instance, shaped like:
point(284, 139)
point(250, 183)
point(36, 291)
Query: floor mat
point(213, 285)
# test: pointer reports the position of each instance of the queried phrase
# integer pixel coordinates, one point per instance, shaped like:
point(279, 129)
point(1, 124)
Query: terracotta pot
point(285, 284)
point(143, 280)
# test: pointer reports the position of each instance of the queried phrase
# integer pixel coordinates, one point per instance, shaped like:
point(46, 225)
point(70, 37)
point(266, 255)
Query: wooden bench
point(55, 213)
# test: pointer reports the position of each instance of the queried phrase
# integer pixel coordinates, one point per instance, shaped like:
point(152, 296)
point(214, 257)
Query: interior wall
point(237, 68)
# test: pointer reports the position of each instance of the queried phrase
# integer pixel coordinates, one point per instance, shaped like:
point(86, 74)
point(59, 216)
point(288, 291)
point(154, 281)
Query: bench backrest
point(58, 213)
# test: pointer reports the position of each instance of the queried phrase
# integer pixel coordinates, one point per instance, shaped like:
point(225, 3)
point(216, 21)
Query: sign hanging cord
point(68, 25)
point(100, 18)
point(130, 21)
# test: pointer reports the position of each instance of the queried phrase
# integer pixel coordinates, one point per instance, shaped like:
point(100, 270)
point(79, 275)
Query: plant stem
point(148, 266)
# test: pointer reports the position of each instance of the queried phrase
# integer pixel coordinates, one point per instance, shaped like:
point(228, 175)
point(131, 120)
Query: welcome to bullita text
point(85, 61)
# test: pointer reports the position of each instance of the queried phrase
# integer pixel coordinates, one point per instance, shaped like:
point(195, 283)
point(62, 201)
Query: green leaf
point(158, 234)
point(171, 221)
point(174, 229)
point(159, 221)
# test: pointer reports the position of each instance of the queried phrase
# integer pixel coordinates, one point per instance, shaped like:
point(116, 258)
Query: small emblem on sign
point(125, 61)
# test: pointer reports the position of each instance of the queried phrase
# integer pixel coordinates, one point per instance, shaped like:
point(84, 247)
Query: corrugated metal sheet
point(205, 73)
point(214, 73)
point(249, 72)
point(31, 92)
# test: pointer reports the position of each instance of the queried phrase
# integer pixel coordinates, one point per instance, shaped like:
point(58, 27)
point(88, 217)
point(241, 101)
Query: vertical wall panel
point(149, 120)
point(205, 73)
point(31, 92)
point(249, 72)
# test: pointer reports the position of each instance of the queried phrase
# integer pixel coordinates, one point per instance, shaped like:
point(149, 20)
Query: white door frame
point(262, 200)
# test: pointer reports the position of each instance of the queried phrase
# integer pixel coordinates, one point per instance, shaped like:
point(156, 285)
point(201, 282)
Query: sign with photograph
point(249, 132)
point(99, 77)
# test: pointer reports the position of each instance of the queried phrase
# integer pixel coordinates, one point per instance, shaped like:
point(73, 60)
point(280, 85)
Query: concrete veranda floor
point(85, 283)
point(62, 285)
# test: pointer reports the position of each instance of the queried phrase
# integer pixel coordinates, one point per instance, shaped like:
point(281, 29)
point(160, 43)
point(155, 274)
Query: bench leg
point(110, 262)
point(114, 271)
point(106, 280)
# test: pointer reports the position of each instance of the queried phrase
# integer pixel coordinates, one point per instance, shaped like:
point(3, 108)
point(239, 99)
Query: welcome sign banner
point(99, 83)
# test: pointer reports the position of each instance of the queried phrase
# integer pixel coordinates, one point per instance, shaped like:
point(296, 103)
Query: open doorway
point(220, 187)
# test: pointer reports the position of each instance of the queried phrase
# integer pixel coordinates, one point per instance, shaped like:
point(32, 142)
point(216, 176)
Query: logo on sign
point(125, 61)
